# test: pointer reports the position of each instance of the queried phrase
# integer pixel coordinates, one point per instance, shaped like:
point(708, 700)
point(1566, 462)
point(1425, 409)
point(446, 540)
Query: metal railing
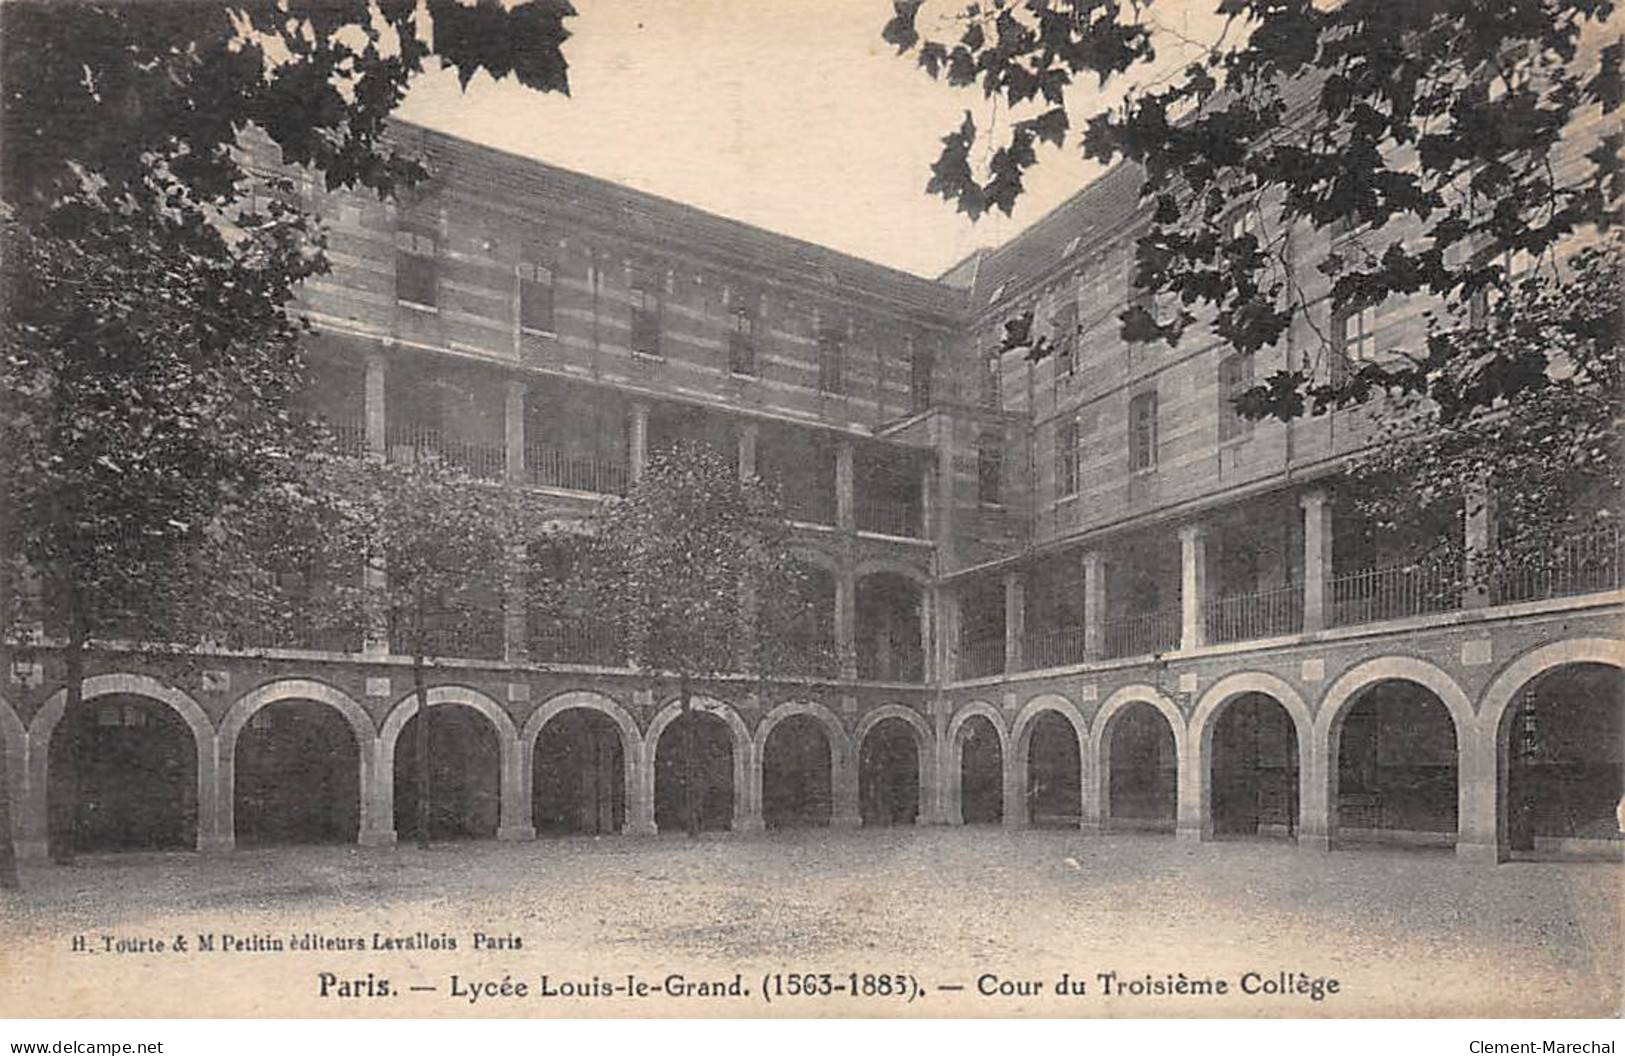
point(349, 438)
point(888, 517)
point(1261, 614)
point(1146, 632)
point(1054, 648)
point(578, 641)
point(810, 506)
point(1395, 592)
point(407, 441)
point(1582, 563)
point(298, 632)
point(550, 467)
point(978, 659)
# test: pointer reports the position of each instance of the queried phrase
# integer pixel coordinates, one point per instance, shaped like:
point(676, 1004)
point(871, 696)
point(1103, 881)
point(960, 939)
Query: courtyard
point(1404, 932)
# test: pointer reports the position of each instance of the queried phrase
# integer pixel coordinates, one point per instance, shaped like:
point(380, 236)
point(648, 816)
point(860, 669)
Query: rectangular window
point(831, 365)
point(990, 381)
point(1235, 377)
point(1066, 458)
point(1354, 340)
point(921, 365)
point(1142, 432)
point(645, 315)
point(989, 469)
point(416, 268)
point(1065, 338)
point(742, 340)
point(536, 297)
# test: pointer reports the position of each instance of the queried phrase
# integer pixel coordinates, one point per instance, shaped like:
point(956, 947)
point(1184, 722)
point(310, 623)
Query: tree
point(692, 569)
point(1430, 131)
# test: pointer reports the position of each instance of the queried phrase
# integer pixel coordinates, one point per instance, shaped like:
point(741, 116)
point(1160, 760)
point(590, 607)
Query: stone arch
point(746, 813)
point(640, 807)
point(46, 719)
point(1100, 744)
point(1431, 677)
point(1204, 719)
point(843, 776)
point(924, 740)
point(1021, 731)
point(954, 744)
point(513, 819)
point(14, 740)
point(1503, 689)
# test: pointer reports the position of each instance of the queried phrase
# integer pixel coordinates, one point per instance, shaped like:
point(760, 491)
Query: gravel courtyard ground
point(1403, 932)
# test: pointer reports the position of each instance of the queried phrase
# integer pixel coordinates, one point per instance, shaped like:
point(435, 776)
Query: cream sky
point(791, 115)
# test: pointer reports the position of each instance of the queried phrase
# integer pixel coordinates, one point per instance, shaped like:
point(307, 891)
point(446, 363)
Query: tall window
point(831, 361)
point(1066, 339)
point(742, 338)
point(536, 297)
point(990, 381)
point(1235, 377)
point(416, 268)
point(1354, 339)
point(1142, 431)
point(1066, 458)
point(990, 468)
point(921, 364)
point(645, 297)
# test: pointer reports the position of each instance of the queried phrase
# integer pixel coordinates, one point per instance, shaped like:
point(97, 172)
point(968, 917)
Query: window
point(1144, 300)
point(742, 340)
point(1066, 458)
point(1065, 337)
point(416, 269)
point(645, 298)
point(1354, 340)
point(1235, 377)
point(989, 468)
point(536, 297)
point(921, 365)
point(1142, 432)
point(990, 381)
point(831, 356)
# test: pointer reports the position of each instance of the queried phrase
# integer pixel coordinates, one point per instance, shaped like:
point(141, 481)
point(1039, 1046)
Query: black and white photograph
point(840, 509)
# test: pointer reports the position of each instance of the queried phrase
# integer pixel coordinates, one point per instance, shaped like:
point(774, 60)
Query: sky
point(792, 115)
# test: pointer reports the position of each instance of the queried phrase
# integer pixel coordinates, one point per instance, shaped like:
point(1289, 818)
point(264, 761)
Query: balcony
point(550, 467)
point(1395, 592)
point(577, 641)
point(888, 517)
point(1261, 614)
point(809, 506)
point(1146, 632)
point(1056, 648)
point(981, 658)
point(408, 442)
point(1582, 563)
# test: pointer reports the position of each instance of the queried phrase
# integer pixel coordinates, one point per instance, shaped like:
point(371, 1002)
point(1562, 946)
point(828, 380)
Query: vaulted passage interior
point(694, 752)
point(1142, 782)
point(1396, 767)
point(1054, 776)
point(1562, 744)
point(465, 767)
point(981, 773)
point(579, 782)
point(889, 774)
point(796, 785)
point(1255, 769)
point(123, 776)
point(297, 776)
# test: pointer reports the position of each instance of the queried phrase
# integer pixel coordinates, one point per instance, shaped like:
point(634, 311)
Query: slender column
point(1317, 559)
point(948, 634)
point(1193, 586)
point(844, 513)
point(927, 609)
point(514, 430)
point(1479, 511)
point(1094, 604)
point(1015, 619)
point(516, 640)
point(374, 404)
point(846, 620)
point(638, 441)
point(747, 450)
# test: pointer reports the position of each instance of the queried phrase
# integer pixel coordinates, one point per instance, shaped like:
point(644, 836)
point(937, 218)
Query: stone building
point(1081, 592)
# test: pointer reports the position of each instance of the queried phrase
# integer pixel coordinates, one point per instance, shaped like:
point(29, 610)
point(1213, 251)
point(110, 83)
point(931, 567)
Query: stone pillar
point(1479, 779)
point(747, 449)
point(374, 405)
point(1193, 586)
point(1317, 559)
point(948, 635)
point(212, 837)
point(640, 791)
point(1094, 605)
point(1479, 511)
point(1015, 620)
point(846, 621)
point(1317, 819)
point(375, 611)
point(1191, 797)
point(845, 514)
point(637, 454)
point(928, 667)
point(515, 610)
point(514, 820)
point(748, 789)
point(845, 812)
point(514, 430)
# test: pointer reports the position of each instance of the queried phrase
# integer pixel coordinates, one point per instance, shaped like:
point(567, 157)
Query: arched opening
point(1054, 773)
point(888, 629)
point(1562, 743)
point(579, 775)
point(889, 774)
point(796, 785)
point(1396, 767)
point(981, 773)
point(298, 772)
point(123, 777)
point(705, 740)
point(1254, 770)
point(465, 775)
point(1143, 765)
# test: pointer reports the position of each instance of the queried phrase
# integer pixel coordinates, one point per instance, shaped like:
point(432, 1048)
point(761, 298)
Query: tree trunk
point(422, 746)
point(691, 750)
point(62, 810)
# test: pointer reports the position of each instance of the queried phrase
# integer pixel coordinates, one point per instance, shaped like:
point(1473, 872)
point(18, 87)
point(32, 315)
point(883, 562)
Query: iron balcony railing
point(809, 506)
point(1261, 614)
point(349, 438)
point(1581, 563)
point(576, 641)
point(888, 517)
point(550, 467)
point(980, 658)
point(1053, 648)
point(1146, 632)
point(407, 442)
point(1395, 592)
